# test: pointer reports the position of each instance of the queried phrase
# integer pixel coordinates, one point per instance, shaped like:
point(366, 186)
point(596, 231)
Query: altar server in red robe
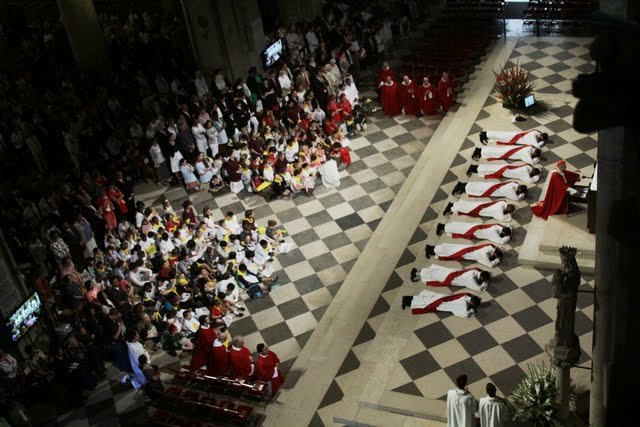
point(462, 304)
point(446, 94)
point(345, 106)
point(407, 97)
point(496, 233)
point(333, 109)
point(556, 200)
point(385, 72)
point(389, 97)
point(428, 98)
point(439, 276)
point(486, 253)
point(492, 188)
point(242, 366)
point(204, 338)
point(218, 365)
point(268, 370)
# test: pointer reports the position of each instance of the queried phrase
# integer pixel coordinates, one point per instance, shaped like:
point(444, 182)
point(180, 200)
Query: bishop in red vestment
point(267, 368)
point(556, 200)
point(218, 365)
point(384, 73)
point(241, 362)
point(389, 97)
point(204, 338)
point(428, 98)
point(445, 92)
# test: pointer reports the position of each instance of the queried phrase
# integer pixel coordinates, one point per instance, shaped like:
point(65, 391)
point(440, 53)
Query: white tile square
point(346, 253)
point(353, 193)
point(314, 249)
point(296, 226)
point(284, 293)
point(394, 131)
point(358, 233)
point(332, 275)
point(363, 176)
point(310, 208)
point(302, 323)
point(341, 210)
point(269, 317)
point(318, 298)
point(287, 349)
point(371, 213)
point(403, 162)
point(327, 229)
point(299, 270)
point(375, 160)
point(382, 195)
point(385, 145)
point(393, 178)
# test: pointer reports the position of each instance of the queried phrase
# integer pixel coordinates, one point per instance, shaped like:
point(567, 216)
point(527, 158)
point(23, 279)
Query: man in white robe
point(496, 233)
point(499, 209)
point(493, 410)
point(525, 153)
point(438, 276)
point(351, 91)
point(523, 172)
point(462, 305)
point(486, 254)
point(532, 137)
point(461, 405)
point(492, 188)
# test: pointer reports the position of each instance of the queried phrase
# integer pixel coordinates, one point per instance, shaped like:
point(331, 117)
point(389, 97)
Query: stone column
point(85, 34)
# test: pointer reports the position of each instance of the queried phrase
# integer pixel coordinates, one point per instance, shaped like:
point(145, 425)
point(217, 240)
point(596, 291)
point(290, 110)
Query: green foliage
point(513, 86)
point(535, 399)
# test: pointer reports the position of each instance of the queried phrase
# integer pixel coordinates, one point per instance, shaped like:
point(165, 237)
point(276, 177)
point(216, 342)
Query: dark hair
point(522, 189)
point(506, 231)
point(202, 318)
point(142, 360)
point(475, 301)
point(261, 347)
point(491, 390)
point(545, 136)
point(485, 276)
point(461, 381)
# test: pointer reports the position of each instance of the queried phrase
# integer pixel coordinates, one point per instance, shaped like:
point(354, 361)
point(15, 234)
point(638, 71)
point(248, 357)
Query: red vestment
point(383, 74)
point(265, 370)
point(345, 107)
point(332, 109)
point(556, 200)
point(240, 363)
point(428, 99)
point(445, 94)
point(203, 345)
point(108, 213)
point(389, 99)
point(408, 99)
point(433, 307)
point(218, 365)
point(462, 252)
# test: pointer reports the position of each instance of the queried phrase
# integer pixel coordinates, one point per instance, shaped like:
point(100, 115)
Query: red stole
point(450, 277)
point(501, 171)
point(491, 189)
point(470, 232)
point(509, 153)
point(515, 139)
point(476, 211)
point(462, 252)
point(434, 305)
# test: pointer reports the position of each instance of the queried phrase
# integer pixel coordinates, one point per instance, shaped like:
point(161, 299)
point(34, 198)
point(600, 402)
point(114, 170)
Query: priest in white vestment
point(492, 188)
point(521, 171)
point(499, 209)
point(462, 305)
point(439, 276)
point(525, 153)
point(486, 254)
point(532, 137)
point(493, 410)
point(461, 405)
point(496, 233)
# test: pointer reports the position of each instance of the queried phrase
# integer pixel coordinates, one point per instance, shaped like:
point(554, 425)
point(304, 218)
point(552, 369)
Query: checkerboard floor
point(516, 318)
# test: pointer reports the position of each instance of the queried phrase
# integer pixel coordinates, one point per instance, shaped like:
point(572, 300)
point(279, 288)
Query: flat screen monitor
point(25, 316)
point(529, 101)
point(272, 53)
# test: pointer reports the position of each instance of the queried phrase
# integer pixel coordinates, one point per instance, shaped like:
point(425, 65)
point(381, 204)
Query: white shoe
point(364, 126)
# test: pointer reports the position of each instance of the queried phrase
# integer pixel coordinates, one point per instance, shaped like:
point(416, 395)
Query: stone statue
point(564, 348)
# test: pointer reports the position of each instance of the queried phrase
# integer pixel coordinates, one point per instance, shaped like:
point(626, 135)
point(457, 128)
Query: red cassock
point(332, 109)
point(265, 369)
point(407, 96)
point(240, 363)
point(556, 200)
point(428, 98)
point(345, 107)
point(203, 345)
point(218, 365)
point(108, 213)
point(445, 94)
point(383, 74)
point(389, 99)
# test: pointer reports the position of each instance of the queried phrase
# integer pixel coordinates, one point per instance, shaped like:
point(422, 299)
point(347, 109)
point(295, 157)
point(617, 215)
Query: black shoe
point(240, 314)
point(242, 309)
point(427, 251)
point(439, 229)
point(477, 153)
point(414, 273)
point(458, 189)
point(406, 302)
point(471, 170)
point(447, 210)
point(483, 138)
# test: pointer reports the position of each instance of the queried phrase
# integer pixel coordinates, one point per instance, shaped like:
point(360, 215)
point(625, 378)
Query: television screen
point(272, 54)
point(24, 317)
point(529, 101)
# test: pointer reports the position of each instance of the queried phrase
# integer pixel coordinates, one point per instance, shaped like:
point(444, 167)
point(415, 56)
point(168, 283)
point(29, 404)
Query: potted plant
point(535, 399)
point(513, 86)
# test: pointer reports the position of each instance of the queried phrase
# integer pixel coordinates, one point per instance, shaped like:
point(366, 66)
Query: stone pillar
point(85, 34)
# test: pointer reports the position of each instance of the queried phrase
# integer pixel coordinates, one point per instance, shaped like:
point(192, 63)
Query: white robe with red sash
point(429, 302)
point(510, 152)
point(493, 188)
point(438, 276)
point(521, 172)
point(529, 137)
point(479, 253)
point(471, 230)
point(493, 209)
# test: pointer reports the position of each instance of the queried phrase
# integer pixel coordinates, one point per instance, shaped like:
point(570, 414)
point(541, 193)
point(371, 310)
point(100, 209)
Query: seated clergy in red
point(485, 253)
point(204, 338)
point(267, 369)
point(438, 276)
point(427, 97)
point(556, 199)
point(384, 72)
point(389, 97)
point(242, 366)
point(445, 92)
point(462, 304)
point(345, 106)
point(218, 365)
point(408, 97)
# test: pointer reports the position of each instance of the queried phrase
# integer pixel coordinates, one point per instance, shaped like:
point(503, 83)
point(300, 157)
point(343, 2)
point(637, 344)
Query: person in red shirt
point(345, 106)
point(407, 97)
point(203, 339)
point(267, 368)
point(446, 94)
point(428, 98)
point(556, 199)
point(218, 365)
point(389, 98)
point(333, 109)
point(384, 73)
point(242, 367)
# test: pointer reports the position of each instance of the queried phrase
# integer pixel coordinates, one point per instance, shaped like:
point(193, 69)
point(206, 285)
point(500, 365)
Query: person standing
point(267, 368)
point(241, 362)
point(446, 94)
point(493, 410)
point(461, 405)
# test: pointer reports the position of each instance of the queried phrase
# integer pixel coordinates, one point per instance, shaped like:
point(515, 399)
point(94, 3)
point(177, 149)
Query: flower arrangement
point(535, 399)
point(513, 86)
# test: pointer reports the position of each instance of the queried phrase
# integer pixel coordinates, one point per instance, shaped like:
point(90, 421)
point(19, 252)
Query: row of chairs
point(255, 392)
point(559, 10)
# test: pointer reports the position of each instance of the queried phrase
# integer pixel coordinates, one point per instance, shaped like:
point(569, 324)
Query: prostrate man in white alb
point(525, 153)
point(461, 405)
point(522, 171)
point(493, 188)
point(486, 254)
point(532, 137)
point(493, 410)
point(439, 276)
point(498, 209)
point(496, 233)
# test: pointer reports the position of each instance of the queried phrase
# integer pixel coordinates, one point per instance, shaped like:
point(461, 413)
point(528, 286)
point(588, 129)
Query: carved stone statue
point(564, 348)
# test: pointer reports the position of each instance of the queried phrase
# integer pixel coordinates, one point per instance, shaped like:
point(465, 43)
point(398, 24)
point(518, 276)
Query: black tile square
point(395, 281)
point(275, 334)
point(418, 236)
point(383, 169)
point(531, 318)
point(547, 90)
point(289, 215)
point(361, 203)
point(524, 214)
point(333, 395)
point(286, 366)
point(558, 126)
point(305, 237)
point(567, 45)
point(331, 200)
point(501, 284)
point(539, 290)
point(316, 421)
point(319, 312)
point(336, 241)
point(564, 55)
point(522, 348)
point(563, 111)
point(348, 180)
point(333, 289)
point(394, 153)
point(263, 211)
point(385, 205)
point(236, 207)
point(449, 177)
point(458, 160)
point(349, 221)
point(509, 260)
point(439, 196)
point(376, 137)
point(366, 334)
point(413, 124)
point(580, 161)
point(583, 324)
point(585, 144)
point(475, 342)
point(558, 66)
point(433, 334)
point(354, 167)
point(290, 258)
point(585, 299)
point(257, 305)
point(507, 380)
point(318, 218)
point(549, 158)
point(322, 262)
point(420, 365)
point(536, 54)
point(293, 308)
point(243, 326)
point(409, 388)
point(518, 235)
point(553, 78)
point(407, 258)
point(386, 123)
point(587, 68)
point(531, 66)
point(350, 363)
point(539, 44)
point(366, 151)
point(361, 244)
point(100, 412)
point(429, 215)
point(308, 284)
point(381, 306)
point(374, 224)
point(373, 185)
point(468, 367)
point(404, 138)
point(490, 311)
point(302, 339)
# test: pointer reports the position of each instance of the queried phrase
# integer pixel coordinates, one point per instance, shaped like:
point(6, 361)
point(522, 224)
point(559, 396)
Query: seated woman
point(190, 181)
point(261, 186)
